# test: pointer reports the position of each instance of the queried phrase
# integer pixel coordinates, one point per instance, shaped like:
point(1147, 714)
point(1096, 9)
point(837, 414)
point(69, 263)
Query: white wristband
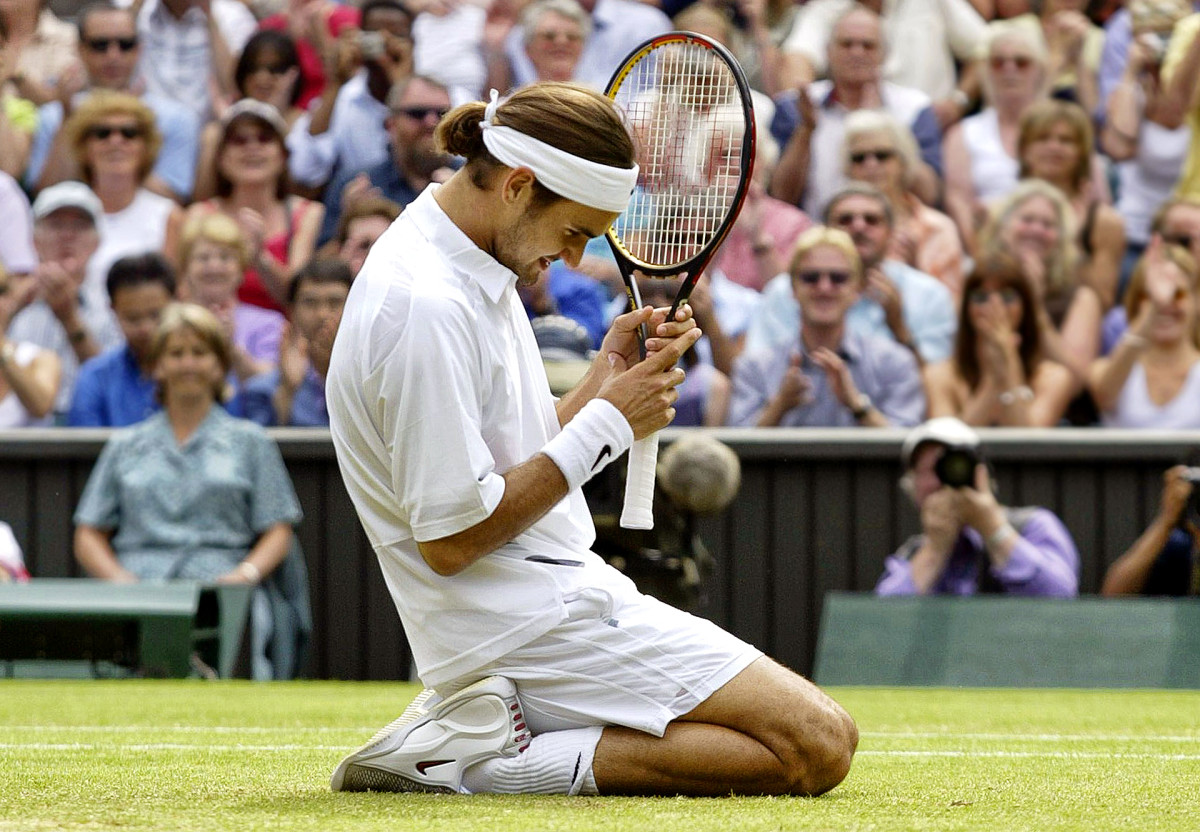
point(598, 434)
point(249, 571)
point(1000, 535)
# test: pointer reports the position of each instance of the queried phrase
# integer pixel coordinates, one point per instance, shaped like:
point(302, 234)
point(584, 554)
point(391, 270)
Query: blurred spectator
point(362, 223)
point(980, 154)
point(809, 124)
point(561, 290)
point(897, 302)
point(189, 48)
point(998, 374)
point(925, 39)
point(213, 254)
point(1152, 377)
point(345, 130)
point(252, 188)
point(764, 234)
point(267, 71)
point(617, 27)
point(293, 394)
point(1073, 44)
point(29, 374)
point(830, 376)
point(1149, 20)
point(554, 32)
point(41, 46)
point(1181, 74)
point(65, 317)
point(308, 25)
point(1143, 132)
point(969, 543)
point(882, 152)
point(753, 30)
point(109, 49)
point(1163, 560)
point(116, 388)
point(115, 142)
point(1034, 225)
point(1055, 145)
point(191, 493)
point(18, 116)
point(12, 562)
point(416, 106)
point(449, 43)
point(718, 23)
point(16, 232)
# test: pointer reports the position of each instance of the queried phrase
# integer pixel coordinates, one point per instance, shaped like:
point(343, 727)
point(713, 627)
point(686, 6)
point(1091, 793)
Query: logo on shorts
point(425, 765)
point(605, 451)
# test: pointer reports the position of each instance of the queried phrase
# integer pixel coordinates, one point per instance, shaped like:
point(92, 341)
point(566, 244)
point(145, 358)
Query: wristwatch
point(861, 407)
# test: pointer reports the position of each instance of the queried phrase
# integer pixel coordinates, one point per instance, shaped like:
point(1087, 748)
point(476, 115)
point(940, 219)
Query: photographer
point(970, 543)
point(1163, 560)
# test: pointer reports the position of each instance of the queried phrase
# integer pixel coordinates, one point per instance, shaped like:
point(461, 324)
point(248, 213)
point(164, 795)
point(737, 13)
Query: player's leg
point(767, 731)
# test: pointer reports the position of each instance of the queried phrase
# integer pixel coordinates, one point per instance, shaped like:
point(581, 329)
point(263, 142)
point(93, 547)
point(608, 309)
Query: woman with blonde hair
point(115, 141)
point(1151, 379)
point(1034, 224)
point(881, 151)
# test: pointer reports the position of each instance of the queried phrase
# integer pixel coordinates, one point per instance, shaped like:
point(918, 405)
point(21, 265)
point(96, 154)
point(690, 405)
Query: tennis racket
point(689, 109)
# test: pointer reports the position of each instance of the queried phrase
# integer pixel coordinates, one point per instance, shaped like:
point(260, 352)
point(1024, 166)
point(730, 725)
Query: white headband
point(589, 183)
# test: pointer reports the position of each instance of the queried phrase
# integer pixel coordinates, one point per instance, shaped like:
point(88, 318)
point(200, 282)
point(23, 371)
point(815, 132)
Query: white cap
point(258, 109)
point(944, 430)
point(68, 194)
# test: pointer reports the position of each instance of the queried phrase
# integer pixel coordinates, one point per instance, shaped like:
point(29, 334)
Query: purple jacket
point(1044, 562)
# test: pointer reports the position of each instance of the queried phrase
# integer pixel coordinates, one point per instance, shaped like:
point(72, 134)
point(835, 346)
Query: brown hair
point(180, 316)
point(371, 206)
point(1005, 271)
point(571, 117)
point(1135, 293)
point(1037, 121)
point(1060, 266)
point(101, 105)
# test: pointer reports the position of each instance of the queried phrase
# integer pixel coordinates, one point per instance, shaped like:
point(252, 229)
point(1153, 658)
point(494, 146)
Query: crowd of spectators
point(980, 209)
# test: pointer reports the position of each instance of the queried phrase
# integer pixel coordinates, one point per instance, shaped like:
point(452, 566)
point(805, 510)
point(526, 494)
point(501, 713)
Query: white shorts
point(641, 664)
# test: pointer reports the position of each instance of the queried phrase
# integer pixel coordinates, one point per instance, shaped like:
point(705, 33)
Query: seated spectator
point(18, 116)
point(998, 375)
point(882, 152)
point(416, 106)
point(64, 316)
point(42, 47)
point(830, 376)
point(1033, 224)
point(268, 70)
point(969, 543)
point(29, 374)
point(1152, 377)
point(362, 223)
point(12, 562)
point(1074, 44)
point(116, 388)
point(109, 49)
point(753, 32)
point(293, 394)
point(16, 232)
point(308, 25)
point(191, 493)
point(1162, 561)
point(115, 142)
point(1181, 76)
point(562, 290)
point(252, 188)
point(1055, 145)
point(213, 254)
point(554, 32)
point(980, 153)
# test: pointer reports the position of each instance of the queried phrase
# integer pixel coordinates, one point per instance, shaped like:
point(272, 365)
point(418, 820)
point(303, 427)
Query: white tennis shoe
point(432, 743)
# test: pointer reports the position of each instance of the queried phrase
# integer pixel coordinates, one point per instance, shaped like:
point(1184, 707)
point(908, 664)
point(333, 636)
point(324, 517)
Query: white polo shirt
point(435, 389)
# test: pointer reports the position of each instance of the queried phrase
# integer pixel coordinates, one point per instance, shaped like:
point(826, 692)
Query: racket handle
point(638, 512)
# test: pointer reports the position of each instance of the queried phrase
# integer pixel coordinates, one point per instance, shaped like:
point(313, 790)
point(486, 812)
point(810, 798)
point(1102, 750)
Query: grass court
point(192, 755)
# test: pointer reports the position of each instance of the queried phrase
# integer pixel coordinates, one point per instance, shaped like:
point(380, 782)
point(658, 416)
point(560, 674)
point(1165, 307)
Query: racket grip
point(638, 511)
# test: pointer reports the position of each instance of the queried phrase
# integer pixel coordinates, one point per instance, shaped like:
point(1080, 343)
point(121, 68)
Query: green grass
point(238, 756)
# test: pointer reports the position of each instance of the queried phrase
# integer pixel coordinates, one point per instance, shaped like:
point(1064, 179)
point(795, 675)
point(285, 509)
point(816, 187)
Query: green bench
point(56, 626)
point(998, 641)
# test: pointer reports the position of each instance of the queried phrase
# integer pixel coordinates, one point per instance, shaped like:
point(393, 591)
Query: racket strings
point(685, 111)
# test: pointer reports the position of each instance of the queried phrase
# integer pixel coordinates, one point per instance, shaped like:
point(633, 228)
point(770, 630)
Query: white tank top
point(12, 413)
point(1148, 179)
point(993, 171)
point(1135, 410)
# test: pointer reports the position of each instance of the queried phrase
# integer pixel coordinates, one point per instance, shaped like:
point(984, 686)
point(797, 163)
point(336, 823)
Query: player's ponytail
point(459, 134)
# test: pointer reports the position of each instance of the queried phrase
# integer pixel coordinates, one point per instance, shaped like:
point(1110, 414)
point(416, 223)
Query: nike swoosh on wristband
point(605, 451)
point(425, 765)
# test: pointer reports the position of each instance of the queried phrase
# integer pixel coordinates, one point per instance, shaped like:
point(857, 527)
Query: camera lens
point(956, 467)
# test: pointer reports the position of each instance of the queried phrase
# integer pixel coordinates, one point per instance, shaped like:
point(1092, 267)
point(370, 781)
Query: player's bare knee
point(823, 753)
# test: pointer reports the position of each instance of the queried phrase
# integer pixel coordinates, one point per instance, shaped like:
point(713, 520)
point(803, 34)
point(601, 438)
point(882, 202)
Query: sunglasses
point(102, 44)
point(102, 132)
point(882, 155)
point(813, 278)
point(1184, 240)
point(422, 113)
point(849, 217)
point(980, 297)
point(1021, 62)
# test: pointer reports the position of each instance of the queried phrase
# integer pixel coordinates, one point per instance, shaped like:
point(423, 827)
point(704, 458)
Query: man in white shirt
point(549, 672)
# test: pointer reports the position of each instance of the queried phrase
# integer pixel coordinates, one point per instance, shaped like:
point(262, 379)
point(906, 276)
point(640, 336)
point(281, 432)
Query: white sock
point(559, 762)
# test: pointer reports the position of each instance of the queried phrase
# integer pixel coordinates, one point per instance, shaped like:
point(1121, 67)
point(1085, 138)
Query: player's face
point(538, 237)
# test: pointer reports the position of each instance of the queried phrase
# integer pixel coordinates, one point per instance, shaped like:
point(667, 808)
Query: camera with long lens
point(956, 467)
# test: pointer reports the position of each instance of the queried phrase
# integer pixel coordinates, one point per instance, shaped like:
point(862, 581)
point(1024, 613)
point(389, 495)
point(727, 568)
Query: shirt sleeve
point(100, 505)
point(311, 158)
point(1044, 561)
point(932, 321)
point(928, 133)
point(752, 390)
point(902, 397)
point(87, 400)
point(810, 32)
point(176, 163)
point(965, 29)
point(16, 231)
point(897, 578)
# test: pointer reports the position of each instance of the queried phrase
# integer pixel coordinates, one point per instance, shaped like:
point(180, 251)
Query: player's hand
point(645, 392)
